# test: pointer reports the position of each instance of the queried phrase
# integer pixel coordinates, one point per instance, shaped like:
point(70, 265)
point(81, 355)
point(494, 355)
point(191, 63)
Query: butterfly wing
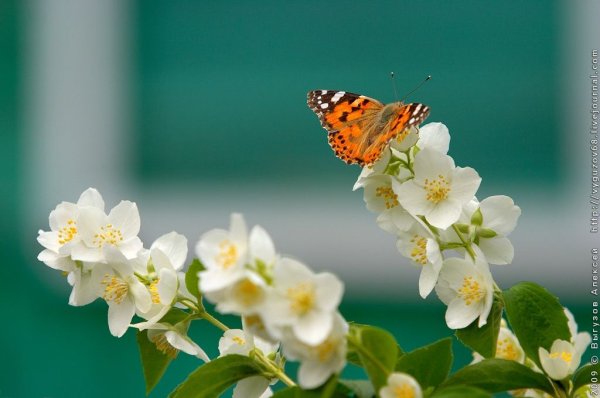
point(346, 117)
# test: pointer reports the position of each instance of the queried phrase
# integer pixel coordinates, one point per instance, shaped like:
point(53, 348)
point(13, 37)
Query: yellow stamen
point(238, 340)
point(325, 350)
point(302, 298)
point(115, 288)
point(564, 355)
point(228, 254)
point(248, 292)
point(388, 195)
point(153, 288)
point(404, 391)
point(108, 235)
point(437, 189)
point(419, 250)
point(67, 232)
point(470, 291)
point(163, 345)
point(506, 349)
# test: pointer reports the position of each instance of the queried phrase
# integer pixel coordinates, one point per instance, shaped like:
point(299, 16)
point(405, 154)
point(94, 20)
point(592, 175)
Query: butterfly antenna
point(416, 88)
point(394, 85)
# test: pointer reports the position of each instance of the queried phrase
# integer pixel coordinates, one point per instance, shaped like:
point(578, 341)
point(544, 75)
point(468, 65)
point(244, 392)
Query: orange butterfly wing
point(358, 129)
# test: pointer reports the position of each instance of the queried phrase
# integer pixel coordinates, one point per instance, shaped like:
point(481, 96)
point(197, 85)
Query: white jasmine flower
point(99, 231)
point(434, 136)
point(562, 360)
point(376, 169)
point(302, 300)
point(169, 340)
point(167, 257)
point(507, 347)
point(224, 254)
point(240, 342)
point(406, 140)
point(467, 288)
point(121, 289)
point(439, 189)
point(64, 231)
point(499, 216)
point(380, 197)
point(422, 248)
point(401, 385)
point(318, 361)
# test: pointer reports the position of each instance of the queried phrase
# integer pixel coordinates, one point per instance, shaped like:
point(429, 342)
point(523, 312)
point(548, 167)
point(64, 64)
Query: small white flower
point(302, 300)
point(401, 385)
point(169, 340)
point(499, 217)
point(380, 197)
point(99, 231)
point(224, 254)
point(240, 342)
point(376, 169)
point(121, 289)
point(421, 247)
point(405, 140)
point(439, 189)
point(467, 288)
point(507, 347)
point(64, 231)
point(434, 136)
point(562, 360)
point(318, 362)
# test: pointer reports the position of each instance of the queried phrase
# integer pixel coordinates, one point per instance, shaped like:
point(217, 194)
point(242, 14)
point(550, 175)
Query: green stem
point(271, 367)
point(467, 245)
point(367, 354)
point(211, 319)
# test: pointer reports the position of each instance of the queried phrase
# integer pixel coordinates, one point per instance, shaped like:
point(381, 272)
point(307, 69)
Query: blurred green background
point(195, 109)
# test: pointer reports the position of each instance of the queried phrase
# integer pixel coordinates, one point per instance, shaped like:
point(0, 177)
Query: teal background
point(219, 101)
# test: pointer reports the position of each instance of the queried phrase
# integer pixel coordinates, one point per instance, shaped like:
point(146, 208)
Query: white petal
point(434, 136)
point(251, 387)
point(131, 247)
point(500, 214)
point(444, 214)
point(141, 295)
point(63, 213)
point(497, 250)
point(314, 327)
point(167, 286)
point(174, 247)
point(414, 198)
point(465, 182)
point(119, 317)
point(459, 315)
point(289, 272)
point(184, 344)
point(429, 164)
point(126, 217)
point(237, 228)
point(207, 247)
point(261, 245)
point(313, 374)
point(91, 197)
point(329, 291)
point(428, 279)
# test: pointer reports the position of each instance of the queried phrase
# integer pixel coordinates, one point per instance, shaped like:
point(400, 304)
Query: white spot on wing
point(323, 91)
point(324, 106)
point(417, 109)
point(337, 96)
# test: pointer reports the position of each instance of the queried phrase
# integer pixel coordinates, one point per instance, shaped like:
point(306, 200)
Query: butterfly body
point(359, 128)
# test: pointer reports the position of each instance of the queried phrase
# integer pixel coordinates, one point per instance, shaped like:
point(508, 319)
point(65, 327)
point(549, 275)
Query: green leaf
point(154, 362)
point(585, 375)
point(378, 352)
point(484, 339)
point(460, 392)
point(192, 279)
point(536, 317)
point(327, 390)
point(429, 365)
point(213, 378)
point(360, 388)
point(496, 375)
point(174, 316)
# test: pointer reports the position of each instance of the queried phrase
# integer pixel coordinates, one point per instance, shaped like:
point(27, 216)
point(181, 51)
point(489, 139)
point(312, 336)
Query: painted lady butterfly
point(360, 127)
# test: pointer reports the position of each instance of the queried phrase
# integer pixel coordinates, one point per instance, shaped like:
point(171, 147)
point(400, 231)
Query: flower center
point(419, 250)
point(404, 391)
point(108, 234)
point(388, 196)
point(228, 254)
point(302, 298)
point(238, 340)
point(325, 350)
point(115, 288)
point(564, 355)
point(470, 291)
point(67, 233)
point(163, 345)
point(248, 292)
point(153, 288)
point(506, 349)
point(437, 189)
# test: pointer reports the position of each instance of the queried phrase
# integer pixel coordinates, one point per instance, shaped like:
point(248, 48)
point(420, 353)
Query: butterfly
point(359, 128)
